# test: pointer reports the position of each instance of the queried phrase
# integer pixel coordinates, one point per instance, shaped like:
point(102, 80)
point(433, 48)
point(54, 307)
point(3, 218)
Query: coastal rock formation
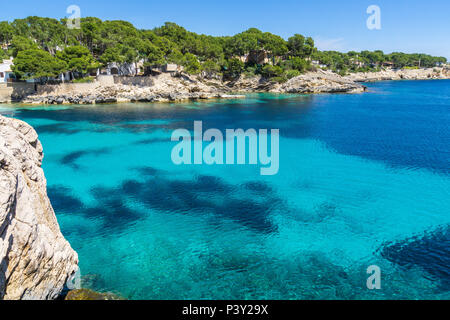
point(403, 74)
point(35, 259)
point(90, 295)
point(166, 88)
point(321, 82)
point(311, 82)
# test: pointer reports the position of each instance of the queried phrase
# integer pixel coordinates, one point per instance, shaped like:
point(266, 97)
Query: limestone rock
point(321, 82)
point(168, 88)
point(401, 74)
point(89, 295)
point(311, 82)
point(35, 259)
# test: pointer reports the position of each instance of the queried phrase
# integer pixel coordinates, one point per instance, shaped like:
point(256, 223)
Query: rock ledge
point(35, 259)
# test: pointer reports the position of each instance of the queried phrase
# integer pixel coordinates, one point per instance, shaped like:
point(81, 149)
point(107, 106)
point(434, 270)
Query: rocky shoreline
point(166, 88)
point(403, 74)
point(36, 261)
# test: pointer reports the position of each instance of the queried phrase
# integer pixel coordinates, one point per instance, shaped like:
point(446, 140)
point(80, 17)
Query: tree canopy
point(37, 63)
point(77, 58)
point(101, 42)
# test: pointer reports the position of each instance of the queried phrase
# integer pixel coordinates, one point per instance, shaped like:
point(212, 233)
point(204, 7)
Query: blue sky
point(407, 25)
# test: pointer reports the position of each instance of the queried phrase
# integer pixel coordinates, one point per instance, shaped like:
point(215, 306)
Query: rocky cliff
point(311, 82)
point(165, 88)
point(321, 82)
point(401, 74)
point(35, 259)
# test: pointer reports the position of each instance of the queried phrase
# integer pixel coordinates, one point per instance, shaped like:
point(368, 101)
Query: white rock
point(31, 240)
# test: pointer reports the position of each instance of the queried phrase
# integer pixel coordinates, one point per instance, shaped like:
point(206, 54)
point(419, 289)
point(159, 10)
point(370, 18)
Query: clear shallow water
point(364, 180)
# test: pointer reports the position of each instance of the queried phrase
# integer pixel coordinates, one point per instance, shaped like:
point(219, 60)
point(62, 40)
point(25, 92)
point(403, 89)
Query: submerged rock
point(90, 295)
point(35, 259)
point(429, 251)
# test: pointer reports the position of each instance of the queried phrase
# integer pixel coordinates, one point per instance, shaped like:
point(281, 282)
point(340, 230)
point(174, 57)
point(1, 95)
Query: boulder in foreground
point(36, 261)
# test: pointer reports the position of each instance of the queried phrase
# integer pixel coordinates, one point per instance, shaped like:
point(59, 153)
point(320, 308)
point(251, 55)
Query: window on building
point(2, 75)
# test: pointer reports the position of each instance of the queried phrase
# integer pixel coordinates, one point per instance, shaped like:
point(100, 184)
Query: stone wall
point(15, 91)
point(135, 81)
point(66, 88)
point(105, 80)
point(86, 88)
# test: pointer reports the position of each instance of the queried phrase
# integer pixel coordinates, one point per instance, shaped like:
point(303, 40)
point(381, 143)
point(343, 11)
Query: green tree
point(296, 45)
point(210, 66)
point(113, 54)
point(243, 43)
point(296, 63)
point(3, 55)
point(6, 32)
point(47, 33)
point(176, 57)
point(90, 29)
point(300, 46)
point(269, 71)
point(153, 54)
point(234, 68)
point(292, 74)
point(37, 63)
point(309, 47)
point(78, 59)
point(274, 44)
point(20, 43)
point(191, 64)
point(119, 41)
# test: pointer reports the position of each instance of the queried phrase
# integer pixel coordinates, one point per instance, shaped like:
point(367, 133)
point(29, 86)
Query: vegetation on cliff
point(251, 52)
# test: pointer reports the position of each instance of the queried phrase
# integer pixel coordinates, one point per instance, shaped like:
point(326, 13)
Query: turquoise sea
point(364, 180)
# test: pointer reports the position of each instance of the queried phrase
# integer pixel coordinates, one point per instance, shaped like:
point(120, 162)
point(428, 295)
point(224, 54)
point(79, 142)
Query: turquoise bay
point(364, 180)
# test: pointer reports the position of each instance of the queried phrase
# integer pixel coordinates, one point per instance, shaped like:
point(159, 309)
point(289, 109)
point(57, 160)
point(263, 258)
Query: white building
point(124, 69)
point(318, 64)
point(6, 70)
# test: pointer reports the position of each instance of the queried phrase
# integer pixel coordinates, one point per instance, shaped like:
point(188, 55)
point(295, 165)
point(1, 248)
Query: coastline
point(87, 294)
point(401, 74)
point(264, 152)
point(181, 88)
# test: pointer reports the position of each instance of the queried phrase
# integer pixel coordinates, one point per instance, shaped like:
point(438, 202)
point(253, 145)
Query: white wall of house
point(5, 70)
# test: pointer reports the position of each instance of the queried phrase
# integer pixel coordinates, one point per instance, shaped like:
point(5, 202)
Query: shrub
point(281, 79)
point(234, 68)
point(296, 63)
point(192, 66)
point(270, 71)
point(83, 80)
point(292, 74)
